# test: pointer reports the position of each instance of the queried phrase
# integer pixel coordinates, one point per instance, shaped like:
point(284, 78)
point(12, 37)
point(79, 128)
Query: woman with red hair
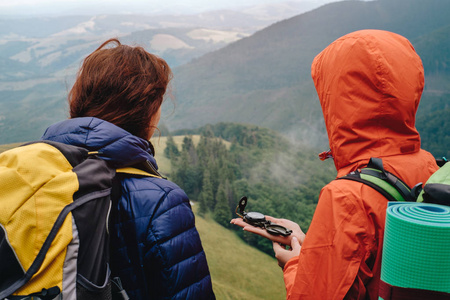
point(115, 106)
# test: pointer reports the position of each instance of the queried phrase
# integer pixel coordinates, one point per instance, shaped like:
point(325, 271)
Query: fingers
point(296, 231)
point(260, 231)
point(247, 227)
point(280, 221)
point(280, 253)
point(250, 228)
point(277, 247)
point(295, 245)
point(238, 222)
point(283, 255)
point(272, 219)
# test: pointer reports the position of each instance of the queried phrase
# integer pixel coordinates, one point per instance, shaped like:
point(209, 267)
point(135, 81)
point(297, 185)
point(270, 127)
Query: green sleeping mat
point(416, 250)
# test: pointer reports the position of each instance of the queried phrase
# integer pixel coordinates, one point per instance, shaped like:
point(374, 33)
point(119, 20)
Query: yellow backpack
point(54, 207)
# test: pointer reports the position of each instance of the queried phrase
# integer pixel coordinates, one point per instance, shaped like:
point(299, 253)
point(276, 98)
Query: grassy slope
point(238, 271)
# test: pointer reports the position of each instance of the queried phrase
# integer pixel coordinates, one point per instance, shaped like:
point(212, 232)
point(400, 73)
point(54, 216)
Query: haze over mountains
point(39, 56)
point(265, 79)
point(248, 73)
point(49, 8)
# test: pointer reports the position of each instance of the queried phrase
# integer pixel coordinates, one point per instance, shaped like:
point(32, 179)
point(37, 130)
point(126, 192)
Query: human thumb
point(295, 245)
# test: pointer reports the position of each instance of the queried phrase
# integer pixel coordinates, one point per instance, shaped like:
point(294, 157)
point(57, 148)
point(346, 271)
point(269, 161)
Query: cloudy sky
point(65, 7)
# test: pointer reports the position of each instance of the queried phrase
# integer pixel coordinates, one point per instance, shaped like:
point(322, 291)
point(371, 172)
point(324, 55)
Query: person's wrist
point(291, 262)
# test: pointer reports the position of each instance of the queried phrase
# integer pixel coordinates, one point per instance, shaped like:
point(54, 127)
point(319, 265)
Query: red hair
point(122, 85)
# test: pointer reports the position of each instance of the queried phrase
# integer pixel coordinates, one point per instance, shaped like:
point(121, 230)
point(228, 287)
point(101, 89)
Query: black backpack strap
point(441, 161)
point(356, 176)
point(396, 182)
point(53, 293)
point(387, 184)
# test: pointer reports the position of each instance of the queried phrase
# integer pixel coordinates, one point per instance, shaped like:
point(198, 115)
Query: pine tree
point(171, 151)
point(185, 170)
point(222, 213)
point(180, 171)
point(206, 195)
point(231, 197)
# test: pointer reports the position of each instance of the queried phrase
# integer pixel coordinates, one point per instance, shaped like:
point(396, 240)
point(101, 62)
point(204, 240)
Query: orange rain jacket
point(369, 84)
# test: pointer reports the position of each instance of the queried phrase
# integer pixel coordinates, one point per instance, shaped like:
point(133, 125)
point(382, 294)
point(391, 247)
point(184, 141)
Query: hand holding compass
point(276, 230)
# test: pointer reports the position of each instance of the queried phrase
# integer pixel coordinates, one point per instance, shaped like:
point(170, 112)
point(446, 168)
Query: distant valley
point(228, 66)
point(39, 56)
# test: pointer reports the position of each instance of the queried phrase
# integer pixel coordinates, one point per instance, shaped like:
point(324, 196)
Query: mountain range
point(265, 79)
point(253, 75)
point(40, 55)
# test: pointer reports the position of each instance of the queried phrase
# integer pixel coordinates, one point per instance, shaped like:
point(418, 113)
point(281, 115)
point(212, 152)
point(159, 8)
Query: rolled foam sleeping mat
point(416, 247)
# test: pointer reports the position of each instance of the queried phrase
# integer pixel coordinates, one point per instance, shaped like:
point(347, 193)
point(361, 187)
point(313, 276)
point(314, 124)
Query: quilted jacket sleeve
point(161, 252)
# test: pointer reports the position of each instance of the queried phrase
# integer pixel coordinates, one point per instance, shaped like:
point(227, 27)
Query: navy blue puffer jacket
point(155, 248)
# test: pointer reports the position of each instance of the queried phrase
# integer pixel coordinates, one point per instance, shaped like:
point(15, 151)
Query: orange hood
point(369, 84)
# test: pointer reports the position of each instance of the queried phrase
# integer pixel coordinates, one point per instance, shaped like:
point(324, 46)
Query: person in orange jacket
point(369, 83)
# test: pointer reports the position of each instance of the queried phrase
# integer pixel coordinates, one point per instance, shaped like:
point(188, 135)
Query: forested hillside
point(279, 178)
point(433, 120)
point(265, 79)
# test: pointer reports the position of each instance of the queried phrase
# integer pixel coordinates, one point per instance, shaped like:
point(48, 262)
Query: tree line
point(280, 179)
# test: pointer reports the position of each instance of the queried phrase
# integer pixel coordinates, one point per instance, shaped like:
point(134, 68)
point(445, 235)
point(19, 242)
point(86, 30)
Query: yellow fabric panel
point(38, 184)
point(135, 171)
point(51, 272)
point(33, 161)
point(51, 199)
point(13, 186)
